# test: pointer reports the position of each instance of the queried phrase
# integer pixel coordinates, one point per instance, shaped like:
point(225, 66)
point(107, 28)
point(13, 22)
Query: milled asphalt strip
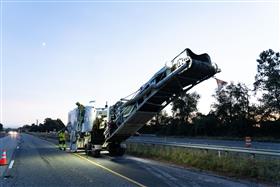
point(111, 171)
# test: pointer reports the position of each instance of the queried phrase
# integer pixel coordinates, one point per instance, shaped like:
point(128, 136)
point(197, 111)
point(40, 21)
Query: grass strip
point(230, 164)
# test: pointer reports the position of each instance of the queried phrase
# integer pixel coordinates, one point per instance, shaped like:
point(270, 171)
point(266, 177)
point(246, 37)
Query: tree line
point(49, 125)
point(233, 113)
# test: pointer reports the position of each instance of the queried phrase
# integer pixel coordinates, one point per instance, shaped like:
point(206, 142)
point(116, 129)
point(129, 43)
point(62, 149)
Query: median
point(266, 169)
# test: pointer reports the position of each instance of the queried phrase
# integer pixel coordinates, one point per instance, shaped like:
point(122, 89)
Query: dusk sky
point(56, 53)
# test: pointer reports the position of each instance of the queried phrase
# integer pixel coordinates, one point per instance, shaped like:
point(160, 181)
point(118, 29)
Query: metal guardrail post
point(219, 154)
point(253, 155)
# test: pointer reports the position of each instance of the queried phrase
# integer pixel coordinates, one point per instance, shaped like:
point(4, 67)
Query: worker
point(61, 140)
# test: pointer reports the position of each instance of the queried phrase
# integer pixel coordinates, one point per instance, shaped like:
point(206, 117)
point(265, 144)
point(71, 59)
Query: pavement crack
point(46, 160)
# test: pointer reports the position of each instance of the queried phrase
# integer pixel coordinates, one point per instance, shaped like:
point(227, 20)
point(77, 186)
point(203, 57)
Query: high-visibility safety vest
point(61, 136)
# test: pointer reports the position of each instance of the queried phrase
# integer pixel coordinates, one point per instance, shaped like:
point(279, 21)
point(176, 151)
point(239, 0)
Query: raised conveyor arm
point(186, 71)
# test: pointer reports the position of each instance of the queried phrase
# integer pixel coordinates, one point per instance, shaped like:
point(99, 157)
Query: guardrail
point(219, 149)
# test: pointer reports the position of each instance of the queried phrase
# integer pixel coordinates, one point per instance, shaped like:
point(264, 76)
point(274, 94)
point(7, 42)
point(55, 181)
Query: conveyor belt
point(147, 103)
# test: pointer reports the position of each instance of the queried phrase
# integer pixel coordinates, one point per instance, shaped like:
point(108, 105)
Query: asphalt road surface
point(9, 144)
point(38, 162)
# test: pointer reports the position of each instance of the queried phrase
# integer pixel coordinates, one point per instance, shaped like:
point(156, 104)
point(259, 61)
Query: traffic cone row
point(3, 160)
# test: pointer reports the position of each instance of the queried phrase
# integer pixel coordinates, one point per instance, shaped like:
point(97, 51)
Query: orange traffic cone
point(3, 160)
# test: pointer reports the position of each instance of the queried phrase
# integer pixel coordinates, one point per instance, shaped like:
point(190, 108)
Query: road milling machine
point(96, 129)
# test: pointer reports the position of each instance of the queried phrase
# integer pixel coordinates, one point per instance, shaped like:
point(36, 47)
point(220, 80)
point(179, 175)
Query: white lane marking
point(11, 164)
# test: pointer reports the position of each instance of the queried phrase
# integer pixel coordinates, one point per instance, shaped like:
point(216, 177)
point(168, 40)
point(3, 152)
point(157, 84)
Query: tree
point(206, 125)
point(267, 80)
point(157, 123)
point(52, 125)
point(232, 103)
point(35, 128)
point(233, 110)
point(1, 127)
point(185, 106)
point(48, 125)
point(25, 128)
point(160, 119)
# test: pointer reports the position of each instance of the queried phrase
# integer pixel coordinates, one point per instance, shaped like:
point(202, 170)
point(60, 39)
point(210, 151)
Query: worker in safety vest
point(62, 140)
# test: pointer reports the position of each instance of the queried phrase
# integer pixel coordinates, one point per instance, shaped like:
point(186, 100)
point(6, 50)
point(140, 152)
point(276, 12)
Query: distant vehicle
point(12, 132)
point(96, 129)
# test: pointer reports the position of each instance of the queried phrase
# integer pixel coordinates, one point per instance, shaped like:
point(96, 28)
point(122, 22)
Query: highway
point(188, 141)
point(38, 162)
